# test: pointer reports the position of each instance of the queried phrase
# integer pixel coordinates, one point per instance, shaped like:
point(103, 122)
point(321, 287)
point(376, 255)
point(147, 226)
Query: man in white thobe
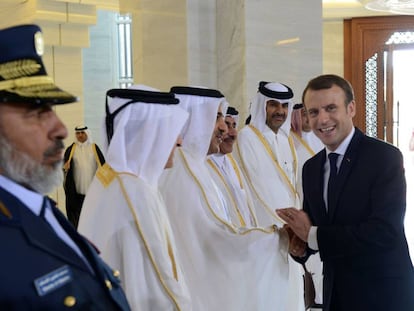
point(228, 175)
point(267, 155)
point(226, 267)
point(81, 160)
point(124, 213)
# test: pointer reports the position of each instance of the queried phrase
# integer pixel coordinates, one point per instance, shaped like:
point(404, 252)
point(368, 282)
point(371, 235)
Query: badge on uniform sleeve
point(53, 280)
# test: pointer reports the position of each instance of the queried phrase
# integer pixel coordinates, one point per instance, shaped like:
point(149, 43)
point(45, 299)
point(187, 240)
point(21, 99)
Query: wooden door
point(368, 66)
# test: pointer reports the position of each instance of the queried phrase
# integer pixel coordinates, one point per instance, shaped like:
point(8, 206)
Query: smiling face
point(220, 130)
point(330, 114)
point(276, 114)
point(228, 140)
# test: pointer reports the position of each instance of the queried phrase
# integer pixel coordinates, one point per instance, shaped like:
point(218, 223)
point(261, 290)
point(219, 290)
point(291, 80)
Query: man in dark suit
point(354, 217)
point(45, 263)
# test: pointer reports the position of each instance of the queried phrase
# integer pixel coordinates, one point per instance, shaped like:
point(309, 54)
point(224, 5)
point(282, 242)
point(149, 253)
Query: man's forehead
point(275, 101)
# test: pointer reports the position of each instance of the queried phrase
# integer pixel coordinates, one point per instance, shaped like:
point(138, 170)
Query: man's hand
point(297, 247)
point(297, 220)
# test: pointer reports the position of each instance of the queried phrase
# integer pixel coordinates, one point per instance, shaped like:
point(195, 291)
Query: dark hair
point(326, 82)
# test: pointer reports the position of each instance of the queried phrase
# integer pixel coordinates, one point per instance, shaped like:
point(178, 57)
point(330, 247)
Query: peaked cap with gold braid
point(23, 76)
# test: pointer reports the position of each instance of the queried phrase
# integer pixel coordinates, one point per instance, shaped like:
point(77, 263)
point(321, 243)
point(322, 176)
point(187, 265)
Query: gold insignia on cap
point(39, 43)
point(69, 301)
point(19, 68)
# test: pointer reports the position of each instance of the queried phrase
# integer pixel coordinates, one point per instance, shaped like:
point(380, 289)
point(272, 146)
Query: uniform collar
point(29, 198)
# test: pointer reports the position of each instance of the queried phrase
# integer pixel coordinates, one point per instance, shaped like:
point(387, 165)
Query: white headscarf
point(258, 107)
point(84, 128)
point(200, 125)
point(154, 126)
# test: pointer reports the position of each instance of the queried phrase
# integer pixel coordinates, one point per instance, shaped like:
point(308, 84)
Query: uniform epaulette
point(5, 211)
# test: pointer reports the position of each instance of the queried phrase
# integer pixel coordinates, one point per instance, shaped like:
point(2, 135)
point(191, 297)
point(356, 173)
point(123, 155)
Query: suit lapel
point(317, 185)
point(345, 169)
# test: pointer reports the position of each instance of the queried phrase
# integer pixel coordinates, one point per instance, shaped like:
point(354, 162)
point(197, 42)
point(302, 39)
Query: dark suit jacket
point(40, 272)
point(361, 239)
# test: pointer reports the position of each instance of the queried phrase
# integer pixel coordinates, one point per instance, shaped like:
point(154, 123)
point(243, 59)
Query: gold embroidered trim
point(304, 143)
point(225, 223)
point(147, 248)
point(233, 200)
point(275, 161)
point(241, 231)
point(172, 257)
point(105, 174)
point(238, 173)
point(95, 152)
point(236, 169)
point(19, 68)
point(29, 84)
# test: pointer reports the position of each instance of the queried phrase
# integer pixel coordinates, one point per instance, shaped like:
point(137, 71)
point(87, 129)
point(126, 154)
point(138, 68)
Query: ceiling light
point(404, 7)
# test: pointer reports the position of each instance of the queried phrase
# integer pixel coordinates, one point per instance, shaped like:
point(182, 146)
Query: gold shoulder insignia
point(105, 174)
point(4, 210)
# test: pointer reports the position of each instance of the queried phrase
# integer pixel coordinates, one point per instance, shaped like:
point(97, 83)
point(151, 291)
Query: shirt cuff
point(312, 238)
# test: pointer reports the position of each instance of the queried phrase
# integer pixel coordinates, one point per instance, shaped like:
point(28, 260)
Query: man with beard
point(226, 267)
point(46, 264)
point(228, 176)
point(267, 156)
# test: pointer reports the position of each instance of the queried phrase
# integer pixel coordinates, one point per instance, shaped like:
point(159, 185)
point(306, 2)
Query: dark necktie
point(333, 157)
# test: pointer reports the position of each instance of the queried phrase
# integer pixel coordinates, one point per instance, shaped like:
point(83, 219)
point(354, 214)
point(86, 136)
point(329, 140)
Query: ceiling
point(342, 9)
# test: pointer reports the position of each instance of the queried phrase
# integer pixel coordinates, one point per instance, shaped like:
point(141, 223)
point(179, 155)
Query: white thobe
point(84, 161)
point(137, 239)
point(228, 176)
point(269, 162)
point(226, 267)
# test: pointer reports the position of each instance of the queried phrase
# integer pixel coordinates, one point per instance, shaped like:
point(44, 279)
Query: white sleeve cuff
point(312, 239)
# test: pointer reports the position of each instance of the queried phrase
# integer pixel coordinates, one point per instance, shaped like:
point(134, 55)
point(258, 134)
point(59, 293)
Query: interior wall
point(333, 47)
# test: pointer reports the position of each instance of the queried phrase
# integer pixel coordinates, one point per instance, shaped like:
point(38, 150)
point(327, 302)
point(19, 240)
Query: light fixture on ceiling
point(404, 7)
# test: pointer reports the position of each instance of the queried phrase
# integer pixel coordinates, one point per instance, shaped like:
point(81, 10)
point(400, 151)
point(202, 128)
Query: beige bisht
point(270, 164)
point(124, 213)
point(226, 267)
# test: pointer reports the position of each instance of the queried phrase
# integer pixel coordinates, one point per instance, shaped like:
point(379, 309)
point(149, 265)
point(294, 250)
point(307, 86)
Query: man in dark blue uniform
point(45, 263)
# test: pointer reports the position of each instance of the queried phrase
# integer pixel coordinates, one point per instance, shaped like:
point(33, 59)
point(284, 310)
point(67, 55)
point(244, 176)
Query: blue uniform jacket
point(38, 271)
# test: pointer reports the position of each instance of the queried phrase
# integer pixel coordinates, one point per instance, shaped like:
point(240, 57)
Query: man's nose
point(223, 127)
point(323, 116)
point(59, 130)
